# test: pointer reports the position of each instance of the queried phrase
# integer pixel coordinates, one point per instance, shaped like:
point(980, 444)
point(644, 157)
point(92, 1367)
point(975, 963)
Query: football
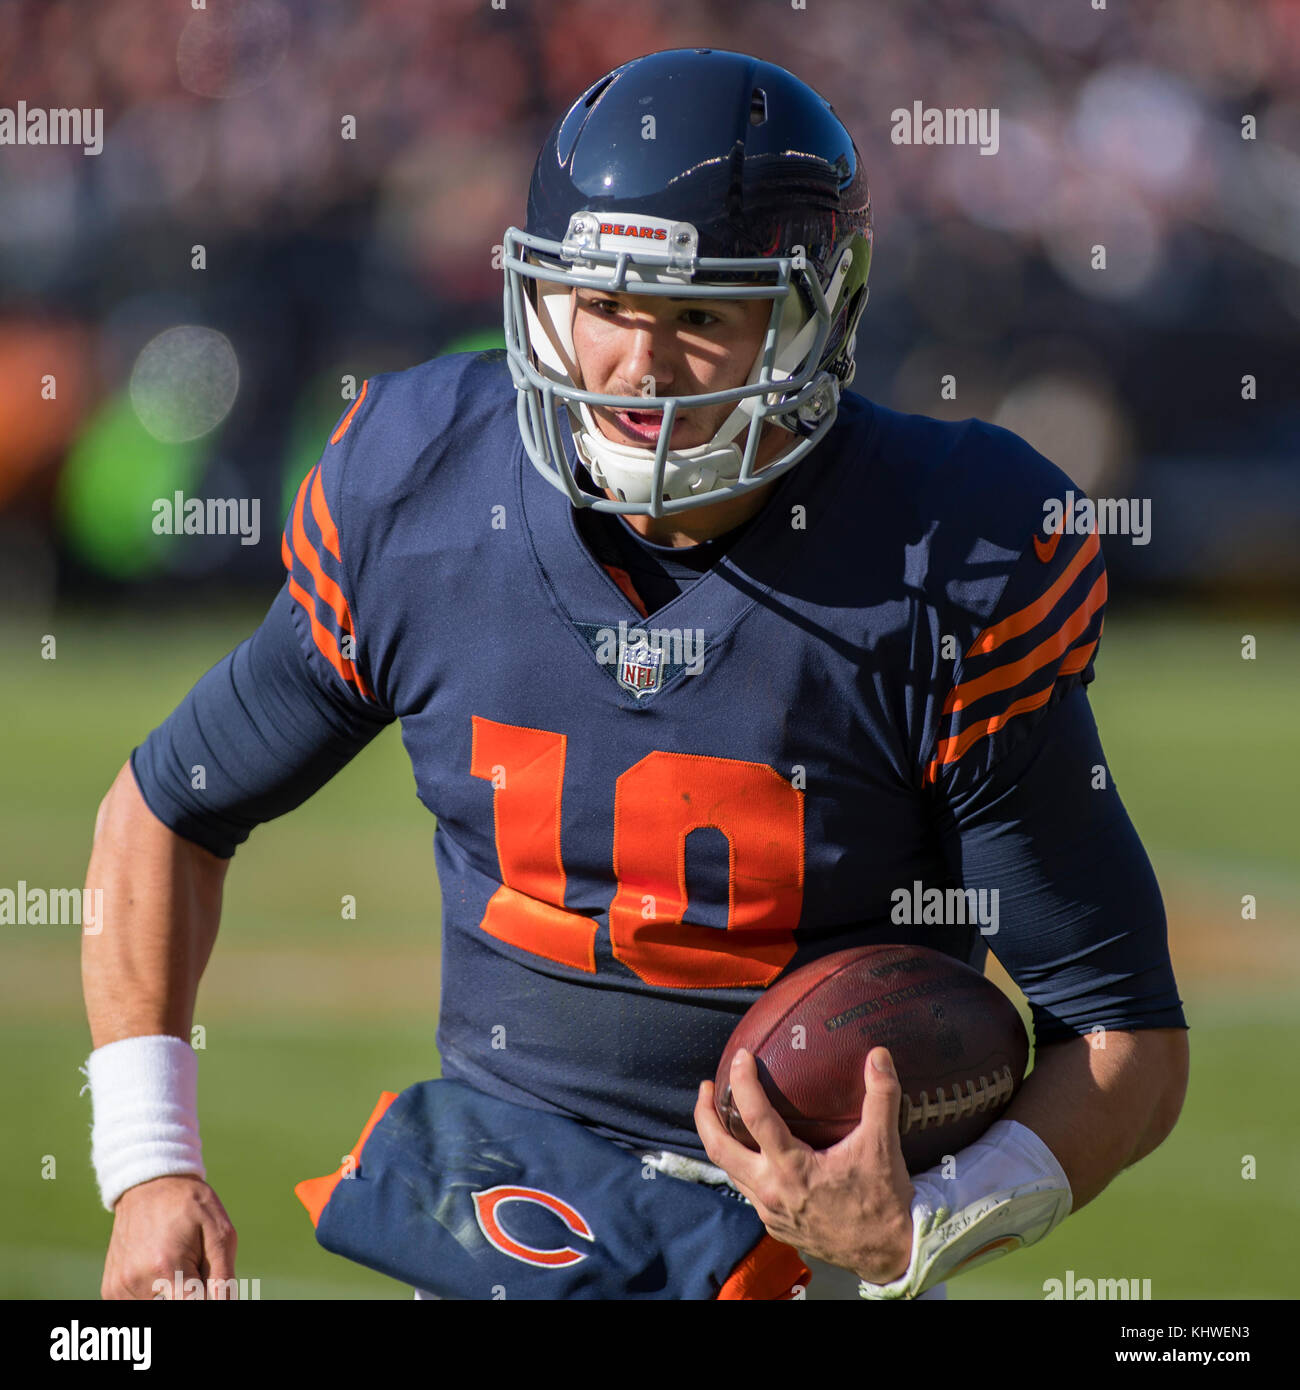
point(958, 1044)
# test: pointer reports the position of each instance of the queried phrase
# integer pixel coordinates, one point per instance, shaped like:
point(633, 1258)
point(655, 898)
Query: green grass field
point(308, 1017)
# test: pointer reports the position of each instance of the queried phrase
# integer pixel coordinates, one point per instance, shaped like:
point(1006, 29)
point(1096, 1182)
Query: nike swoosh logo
point(1045, 549)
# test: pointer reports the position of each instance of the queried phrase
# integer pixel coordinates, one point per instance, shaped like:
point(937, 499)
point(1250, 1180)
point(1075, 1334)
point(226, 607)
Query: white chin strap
point(627, 470)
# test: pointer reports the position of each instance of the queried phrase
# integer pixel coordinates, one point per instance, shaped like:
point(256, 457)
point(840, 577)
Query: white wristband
point(1009, 1191)
point(144, 1098)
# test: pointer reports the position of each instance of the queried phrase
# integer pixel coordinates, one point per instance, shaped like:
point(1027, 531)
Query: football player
point(699, 659)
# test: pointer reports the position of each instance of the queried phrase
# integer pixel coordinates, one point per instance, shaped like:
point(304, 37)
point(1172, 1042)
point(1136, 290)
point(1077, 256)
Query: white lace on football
point(971, 1101)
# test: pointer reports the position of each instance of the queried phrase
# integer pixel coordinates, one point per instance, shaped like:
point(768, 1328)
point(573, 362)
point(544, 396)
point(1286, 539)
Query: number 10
point(657, 803)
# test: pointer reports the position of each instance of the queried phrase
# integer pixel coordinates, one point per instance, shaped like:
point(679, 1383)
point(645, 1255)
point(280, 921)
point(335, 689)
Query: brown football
point(958, 1045)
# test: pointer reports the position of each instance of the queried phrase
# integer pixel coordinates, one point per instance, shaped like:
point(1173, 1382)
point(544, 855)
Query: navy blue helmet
point(701, 174)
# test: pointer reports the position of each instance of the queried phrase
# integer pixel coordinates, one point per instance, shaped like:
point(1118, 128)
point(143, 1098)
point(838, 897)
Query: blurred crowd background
point(127, 375)
point(330, 258)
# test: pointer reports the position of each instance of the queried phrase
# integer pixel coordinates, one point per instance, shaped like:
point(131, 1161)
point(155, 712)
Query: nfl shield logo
point(640, 669)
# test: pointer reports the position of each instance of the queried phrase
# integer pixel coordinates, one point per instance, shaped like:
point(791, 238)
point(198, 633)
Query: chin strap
point(686, 471)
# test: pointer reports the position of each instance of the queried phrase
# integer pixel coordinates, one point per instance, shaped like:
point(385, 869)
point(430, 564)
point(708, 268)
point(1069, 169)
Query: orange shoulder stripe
point(324, 640)
point(347, 419)
point(321, 635)
point(329, 533)
point(1004, 677)
point(306, 552)
point(951, 749)
point(1025, 618)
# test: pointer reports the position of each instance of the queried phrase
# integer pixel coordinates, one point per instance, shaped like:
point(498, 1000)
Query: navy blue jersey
point(646, 814)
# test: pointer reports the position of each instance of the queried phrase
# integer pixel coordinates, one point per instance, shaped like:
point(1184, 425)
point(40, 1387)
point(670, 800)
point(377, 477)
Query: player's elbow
point(113, 800)
point(1166, 1065)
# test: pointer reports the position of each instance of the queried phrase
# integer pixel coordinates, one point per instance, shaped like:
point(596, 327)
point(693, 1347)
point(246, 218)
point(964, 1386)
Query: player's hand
point(166, 1227)
point(849, 1205)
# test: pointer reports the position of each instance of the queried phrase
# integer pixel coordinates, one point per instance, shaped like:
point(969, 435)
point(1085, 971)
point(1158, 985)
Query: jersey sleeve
point(323, 610)
point(274, 720)
point(1080, 923)
point(1027, 806)
point(1024, 802)
point(1039, 643)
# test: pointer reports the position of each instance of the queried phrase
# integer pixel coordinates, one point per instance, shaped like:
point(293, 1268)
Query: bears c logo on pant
point(485, 1209)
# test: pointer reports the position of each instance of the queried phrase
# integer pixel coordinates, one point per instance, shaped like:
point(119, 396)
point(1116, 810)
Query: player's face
point(685, 346)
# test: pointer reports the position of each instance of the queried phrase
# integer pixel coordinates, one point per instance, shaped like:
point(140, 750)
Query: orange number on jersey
point(657, 803)
point(526, 769)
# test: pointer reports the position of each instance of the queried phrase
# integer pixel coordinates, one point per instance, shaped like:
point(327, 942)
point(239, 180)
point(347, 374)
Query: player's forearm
point(1102, 1108)
point(162, 908)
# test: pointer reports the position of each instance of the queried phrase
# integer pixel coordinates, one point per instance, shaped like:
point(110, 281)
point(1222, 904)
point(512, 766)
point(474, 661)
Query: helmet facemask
point(659, 257)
